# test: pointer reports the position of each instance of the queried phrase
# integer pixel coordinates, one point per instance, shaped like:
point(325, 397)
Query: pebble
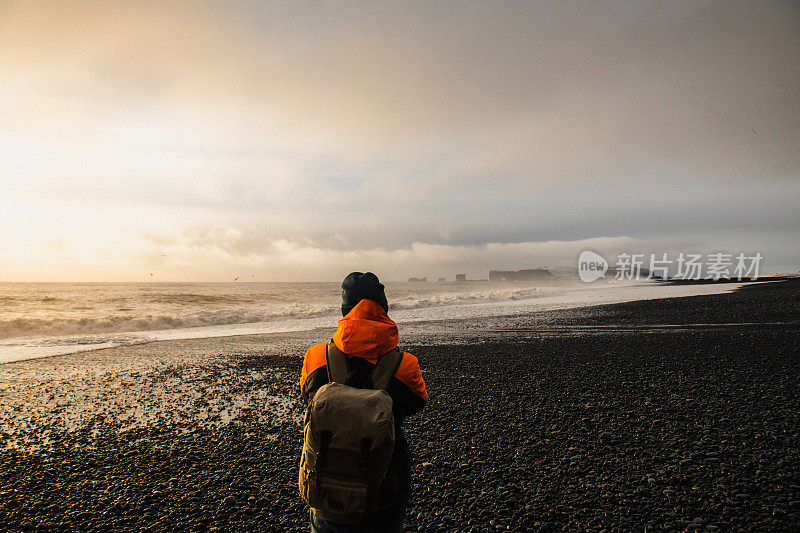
point(554, 433)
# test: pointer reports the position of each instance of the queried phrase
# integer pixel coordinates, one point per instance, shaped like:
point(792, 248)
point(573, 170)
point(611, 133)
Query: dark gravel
point(676, 430)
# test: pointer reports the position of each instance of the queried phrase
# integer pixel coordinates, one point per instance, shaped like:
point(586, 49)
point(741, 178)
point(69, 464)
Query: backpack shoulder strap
point(385, 369)
point(338, 367)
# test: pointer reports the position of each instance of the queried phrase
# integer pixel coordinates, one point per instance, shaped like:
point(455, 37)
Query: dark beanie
point(359, 286)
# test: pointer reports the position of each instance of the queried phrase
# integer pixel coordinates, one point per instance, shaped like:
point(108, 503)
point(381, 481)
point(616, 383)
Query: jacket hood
point(366, 331)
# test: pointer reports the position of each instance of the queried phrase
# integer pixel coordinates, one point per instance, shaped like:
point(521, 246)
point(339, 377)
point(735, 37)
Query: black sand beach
point(676, 414)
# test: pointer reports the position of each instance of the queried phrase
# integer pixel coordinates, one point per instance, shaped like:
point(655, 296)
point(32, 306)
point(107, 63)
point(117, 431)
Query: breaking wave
point(131, 322)
point(498, 295)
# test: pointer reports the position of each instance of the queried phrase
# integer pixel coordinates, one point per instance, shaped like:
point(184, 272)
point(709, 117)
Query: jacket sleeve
point(314, 373)
point(408, 387)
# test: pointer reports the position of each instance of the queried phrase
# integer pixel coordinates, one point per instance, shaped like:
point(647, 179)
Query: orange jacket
point(367, 333)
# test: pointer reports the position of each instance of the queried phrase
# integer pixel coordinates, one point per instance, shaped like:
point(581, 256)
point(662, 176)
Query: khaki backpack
point(349, 438)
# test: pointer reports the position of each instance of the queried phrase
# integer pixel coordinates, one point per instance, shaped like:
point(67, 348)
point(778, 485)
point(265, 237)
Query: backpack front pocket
point(339, 497)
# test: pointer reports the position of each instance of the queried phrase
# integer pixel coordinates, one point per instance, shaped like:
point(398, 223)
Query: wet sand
point(675, 414)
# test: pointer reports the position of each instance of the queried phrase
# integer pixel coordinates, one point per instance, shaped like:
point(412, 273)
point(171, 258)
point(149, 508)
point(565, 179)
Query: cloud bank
point(350, 131)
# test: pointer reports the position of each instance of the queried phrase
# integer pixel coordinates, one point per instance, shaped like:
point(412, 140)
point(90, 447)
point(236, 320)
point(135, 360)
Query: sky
point(289, 141)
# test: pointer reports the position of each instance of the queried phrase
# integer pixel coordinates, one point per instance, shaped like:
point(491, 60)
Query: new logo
point(591, 266)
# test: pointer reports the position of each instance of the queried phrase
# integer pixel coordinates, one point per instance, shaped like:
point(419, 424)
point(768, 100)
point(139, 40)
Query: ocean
point(45, 319)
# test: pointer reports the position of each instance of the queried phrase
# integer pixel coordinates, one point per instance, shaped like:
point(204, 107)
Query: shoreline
point(10, 348)
point(533, 430)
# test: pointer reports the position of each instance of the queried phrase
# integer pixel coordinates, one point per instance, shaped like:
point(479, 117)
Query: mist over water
point(50, 318)
point(43, 319)
point(88, 308)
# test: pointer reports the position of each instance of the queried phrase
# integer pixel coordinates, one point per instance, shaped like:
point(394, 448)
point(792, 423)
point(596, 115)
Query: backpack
point(348, 441)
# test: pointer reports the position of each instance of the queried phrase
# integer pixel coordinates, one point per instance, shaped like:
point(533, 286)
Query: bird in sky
point(754, 131)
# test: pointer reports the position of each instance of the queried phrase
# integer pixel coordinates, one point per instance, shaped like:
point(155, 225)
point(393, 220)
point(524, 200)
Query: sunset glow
point(295, 141)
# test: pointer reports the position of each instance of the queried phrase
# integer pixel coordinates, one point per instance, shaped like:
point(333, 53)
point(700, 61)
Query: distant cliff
point(529, 274)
